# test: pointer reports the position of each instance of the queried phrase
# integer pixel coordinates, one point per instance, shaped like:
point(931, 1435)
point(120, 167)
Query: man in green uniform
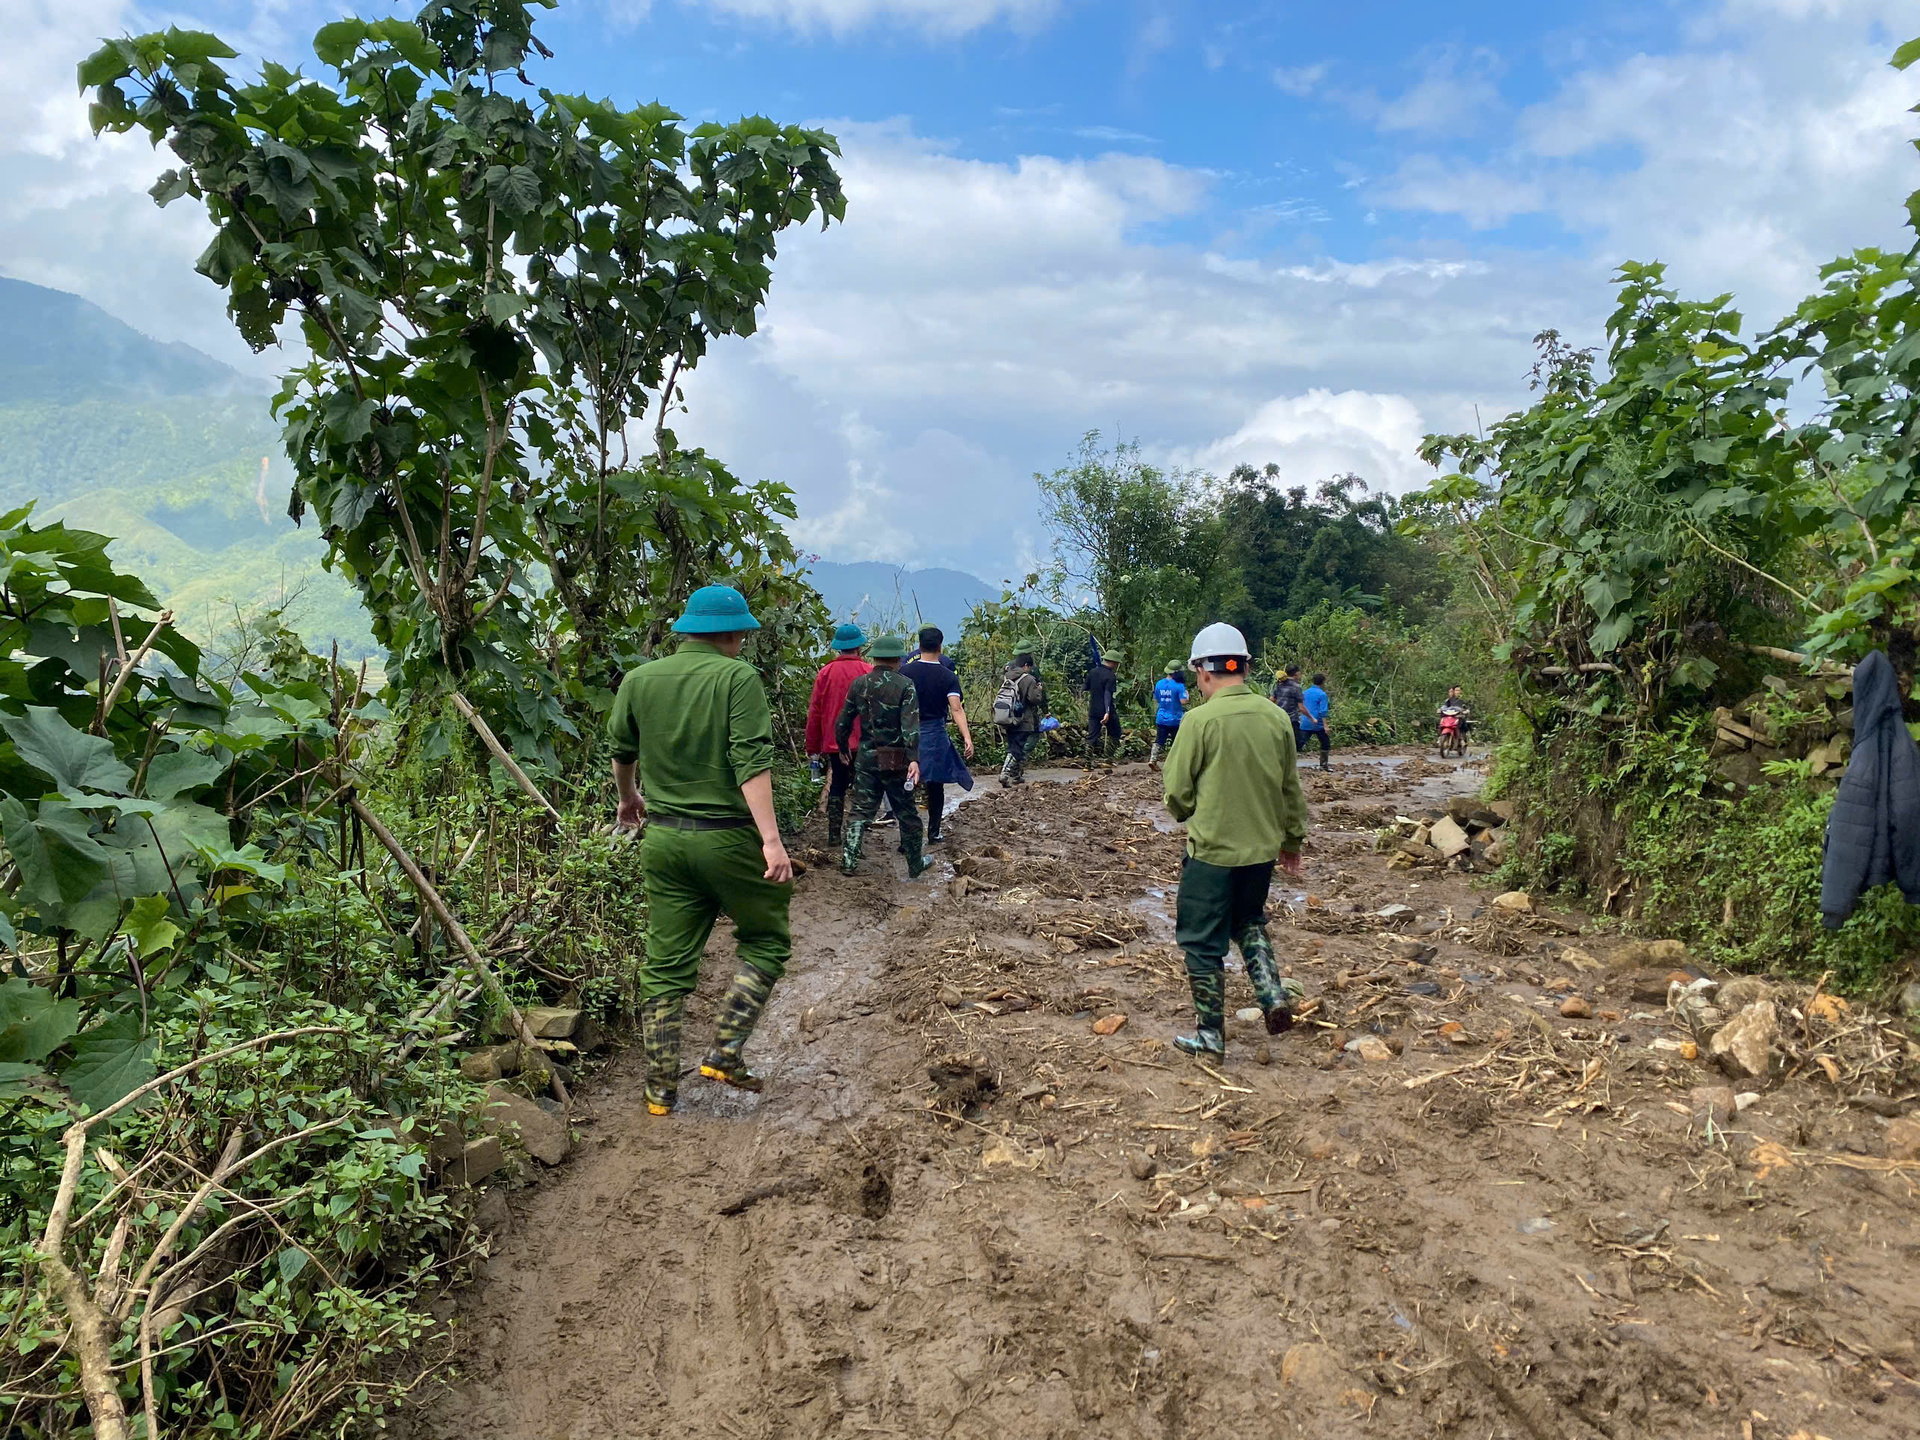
point(1231, 777)
point(888, 708)
point(694, 729)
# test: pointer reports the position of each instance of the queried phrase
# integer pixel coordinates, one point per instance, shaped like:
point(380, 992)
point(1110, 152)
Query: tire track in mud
point(944, 1231)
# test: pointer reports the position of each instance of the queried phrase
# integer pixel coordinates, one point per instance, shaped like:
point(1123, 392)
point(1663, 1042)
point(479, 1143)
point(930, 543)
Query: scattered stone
point(1391, 913)
point(1910, 998)
point(1744, 1045)
point(1575, 1007)
point(1673, 953)
point(1108, 1024)
point(1424, 987)
point(1249, 1013)
point(1744, 1099)
point(1742, 991)
point(951, 997)
point(1581, 960)
point(1828, 1009)
point(1142, 1165)
point(492, 1063)
point(543, 1134)
point(1903, 1140)
point(1418, 952)
point(1455, 1033)
point(1612, 1017)
point(1370, 1048)
point(1514, 902)
point(1262, 1055)
point(592, 1037)
point(1557, 984)
point(1504, 809)
point(1717, 1103)
point(478, 1159)
point(1315, 1369)
point(1680, 978)
point(550, 1022)
point(1448, 838)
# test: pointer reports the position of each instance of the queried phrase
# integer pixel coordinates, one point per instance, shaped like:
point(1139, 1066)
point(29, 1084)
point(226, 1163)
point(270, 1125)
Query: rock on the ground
point(491, 1062)
point(544, 1134)
point(1713, 1102)
point(1744, 1045)
point(1903, 1140)
point(1142, 1165)
point(1108, 1024)
point(1576, 1007)
point(1249, 1013)
point(1370, 1048)
point(1828, 1009)
point(478, 1159)
point(551, 1022)
point(1515, 901)
point(1742, 991)
point(1650, 955)
point(1910, 998)
point(1448, 837)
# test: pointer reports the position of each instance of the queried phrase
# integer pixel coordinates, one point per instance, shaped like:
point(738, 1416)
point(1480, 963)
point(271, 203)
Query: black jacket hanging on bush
point(1873, 834)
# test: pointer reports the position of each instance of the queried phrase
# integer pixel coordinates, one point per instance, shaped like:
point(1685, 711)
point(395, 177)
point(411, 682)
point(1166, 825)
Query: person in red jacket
point(830, 688)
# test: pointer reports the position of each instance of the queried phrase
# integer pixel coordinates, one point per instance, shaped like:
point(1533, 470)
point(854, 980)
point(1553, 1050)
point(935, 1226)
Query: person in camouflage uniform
point(888, 708)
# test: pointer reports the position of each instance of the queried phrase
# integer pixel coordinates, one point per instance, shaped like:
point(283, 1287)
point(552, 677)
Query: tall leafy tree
point(491, 282)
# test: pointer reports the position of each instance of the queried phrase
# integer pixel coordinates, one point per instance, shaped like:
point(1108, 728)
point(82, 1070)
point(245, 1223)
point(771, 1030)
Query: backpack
point(1008, 706)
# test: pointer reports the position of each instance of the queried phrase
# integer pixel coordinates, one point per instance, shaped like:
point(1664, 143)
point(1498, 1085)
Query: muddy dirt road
point(961, 1211)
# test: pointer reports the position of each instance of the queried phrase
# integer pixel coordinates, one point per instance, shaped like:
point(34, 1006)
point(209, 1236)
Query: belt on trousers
point(693, 822)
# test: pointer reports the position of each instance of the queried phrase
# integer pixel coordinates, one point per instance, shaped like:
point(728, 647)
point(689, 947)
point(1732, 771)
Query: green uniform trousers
point(1216, 903)
point(869, 785)
point(692, 877)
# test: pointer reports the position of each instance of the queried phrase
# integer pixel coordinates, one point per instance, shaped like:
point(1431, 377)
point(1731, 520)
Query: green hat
point(1111, 657)
point(849, 637)
point(1173, 667)
point(715, 610)
point(889, 647)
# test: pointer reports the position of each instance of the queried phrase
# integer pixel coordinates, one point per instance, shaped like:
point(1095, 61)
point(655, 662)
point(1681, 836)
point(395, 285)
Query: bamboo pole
point(507, 763)
point(456, 932)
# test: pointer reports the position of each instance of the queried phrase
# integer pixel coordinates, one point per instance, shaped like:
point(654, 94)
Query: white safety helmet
point(1223, 643)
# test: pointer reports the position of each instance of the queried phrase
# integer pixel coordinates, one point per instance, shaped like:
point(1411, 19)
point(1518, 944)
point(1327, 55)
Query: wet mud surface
point(960, 1210)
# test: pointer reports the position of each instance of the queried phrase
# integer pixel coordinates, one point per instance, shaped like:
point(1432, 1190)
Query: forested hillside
point(170, 452)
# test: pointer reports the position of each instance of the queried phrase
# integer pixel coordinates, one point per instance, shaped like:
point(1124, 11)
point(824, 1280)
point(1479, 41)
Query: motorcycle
point(1453, 736)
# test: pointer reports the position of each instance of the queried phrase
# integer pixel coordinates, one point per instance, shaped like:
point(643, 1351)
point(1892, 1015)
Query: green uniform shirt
point(1231, 777)
point(888, 707)
point(698, 724)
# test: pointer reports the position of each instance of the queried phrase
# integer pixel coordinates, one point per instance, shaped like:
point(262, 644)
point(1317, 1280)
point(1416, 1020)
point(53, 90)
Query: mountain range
point(177, 456)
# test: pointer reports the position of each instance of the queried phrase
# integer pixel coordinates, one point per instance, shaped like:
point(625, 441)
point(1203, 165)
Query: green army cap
point(888, 647)
point(1173, 667)
point(1111, 657)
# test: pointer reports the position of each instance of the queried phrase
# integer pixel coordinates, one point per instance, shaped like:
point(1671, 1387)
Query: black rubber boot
point(1275, 995)
point(1210, 1009)
point(740, 1011)
point(850, 853)
point(660, 1038)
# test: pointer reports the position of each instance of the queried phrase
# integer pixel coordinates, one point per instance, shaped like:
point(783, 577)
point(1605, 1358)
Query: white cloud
point(934, 17)
point(1452, 97)
point(1775, 137)
point(1320, 434)
point(1300, 80)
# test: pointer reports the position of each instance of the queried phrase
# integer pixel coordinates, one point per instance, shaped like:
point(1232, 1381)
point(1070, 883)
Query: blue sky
point(1264, 231)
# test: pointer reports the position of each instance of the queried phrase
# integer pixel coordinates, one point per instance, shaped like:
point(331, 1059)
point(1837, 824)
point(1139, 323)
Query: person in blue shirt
point(1169, 704)
point(1314, 706)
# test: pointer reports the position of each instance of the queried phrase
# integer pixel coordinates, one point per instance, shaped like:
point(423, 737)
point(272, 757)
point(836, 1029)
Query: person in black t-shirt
point(933, 676)
point(1103, 710)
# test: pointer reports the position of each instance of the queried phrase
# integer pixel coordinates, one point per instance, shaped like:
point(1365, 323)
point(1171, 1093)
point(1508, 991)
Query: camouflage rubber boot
point(836, 818)
point(660, 1038)
point(1210, 1009)
point(1153, 756)
point(850, 854)
point(740, 1011)
point(1276, 995)
point(917, 863)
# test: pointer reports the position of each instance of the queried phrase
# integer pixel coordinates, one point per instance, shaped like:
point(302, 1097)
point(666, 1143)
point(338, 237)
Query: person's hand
point(1294, 862)
point(913, 774)
point(632, 811)
point(846, 757)
point(967, 751)
point(779, 863)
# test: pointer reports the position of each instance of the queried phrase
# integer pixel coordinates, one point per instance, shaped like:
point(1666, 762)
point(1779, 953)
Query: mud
point(960, 1211)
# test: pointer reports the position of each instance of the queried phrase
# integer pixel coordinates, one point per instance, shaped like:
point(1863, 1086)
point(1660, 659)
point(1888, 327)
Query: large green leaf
point(148, 927)
point(179, 770)
point(58, 857)
point(75, 760)
point(33, 1024)
point(109, 1061)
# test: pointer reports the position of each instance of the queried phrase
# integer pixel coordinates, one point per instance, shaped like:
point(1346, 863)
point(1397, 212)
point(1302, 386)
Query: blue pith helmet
point(849, 637)
point(715, 610)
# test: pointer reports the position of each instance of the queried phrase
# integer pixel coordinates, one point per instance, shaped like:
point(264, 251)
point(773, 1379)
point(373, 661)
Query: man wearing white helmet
point(1231, 777)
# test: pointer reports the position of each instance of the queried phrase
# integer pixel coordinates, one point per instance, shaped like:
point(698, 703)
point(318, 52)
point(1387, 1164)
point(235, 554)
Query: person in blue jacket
point(1314, 706)
point(1169, 705)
